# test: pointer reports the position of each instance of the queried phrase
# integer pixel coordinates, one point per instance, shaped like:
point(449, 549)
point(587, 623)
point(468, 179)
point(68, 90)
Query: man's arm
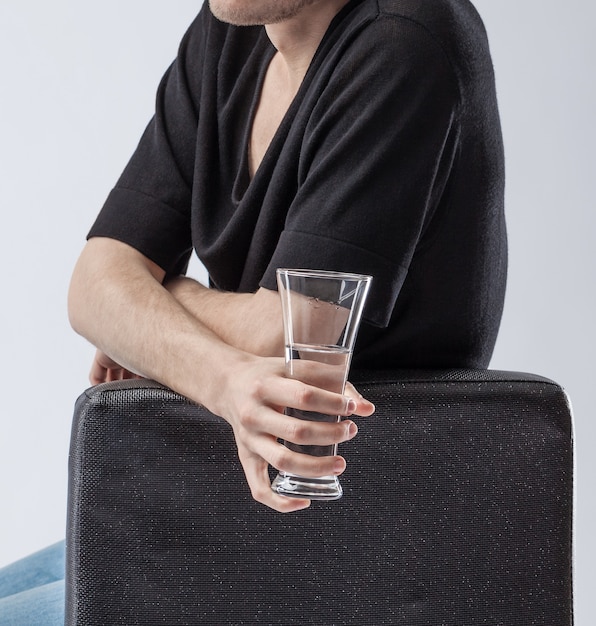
point(117, 301)
point(251, 322)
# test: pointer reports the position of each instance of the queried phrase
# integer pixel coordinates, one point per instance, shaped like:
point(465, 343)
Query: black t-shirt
point(388, 162)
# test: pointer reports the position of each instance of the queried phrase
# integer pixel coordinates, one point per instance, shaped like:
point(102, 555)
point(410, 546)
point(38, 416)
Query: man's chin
point(256, 12)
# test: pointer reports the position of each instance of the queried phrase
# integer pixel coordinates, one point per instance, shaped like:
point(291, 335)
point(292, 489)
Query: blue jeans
point(32, 589)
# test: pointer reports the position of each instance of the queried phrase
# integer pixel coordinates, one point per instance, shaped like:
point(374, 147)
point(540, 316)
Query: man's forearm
point(133, 319)
point(250, 322)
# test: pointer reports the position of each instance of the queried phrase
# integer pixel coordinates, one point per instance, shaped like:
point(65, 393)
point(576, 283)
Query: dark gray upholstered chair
point(457, 511)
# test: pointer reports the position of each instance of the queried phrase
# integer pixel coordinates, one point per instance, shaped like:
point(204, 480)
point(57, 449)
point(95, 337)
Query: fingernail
point(352, 430)
point(351, 406)
point(338, 467)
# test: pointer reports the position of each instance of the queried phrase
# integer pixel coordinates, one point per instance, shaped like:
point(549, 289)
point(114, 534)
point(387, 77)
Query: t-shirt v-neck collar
point(243, 179)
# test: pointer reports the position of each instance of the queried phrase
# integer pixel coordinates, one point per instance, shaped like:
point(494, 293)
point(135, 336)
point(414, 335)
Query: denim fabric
point(32, 589)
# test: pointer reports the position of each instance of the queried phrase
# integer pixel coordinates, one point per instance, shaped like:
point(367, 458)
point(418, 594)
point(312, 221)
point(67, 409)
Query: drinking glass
point(321, 314)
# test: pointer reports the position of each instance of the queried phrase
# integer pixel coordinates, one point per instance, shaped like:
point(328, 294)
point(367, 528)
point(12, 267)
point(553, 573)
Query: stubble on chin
point(256, 12)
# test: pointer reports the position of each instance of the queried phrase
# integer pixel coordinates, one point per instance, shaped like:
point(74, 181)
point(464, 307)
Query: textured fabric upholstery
point(457, 511)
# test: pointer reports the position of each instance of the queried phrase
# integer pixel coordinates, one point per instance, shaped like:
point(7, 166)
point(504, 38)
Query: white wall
point(77, 87)
point(77, 83)
point(544, 55)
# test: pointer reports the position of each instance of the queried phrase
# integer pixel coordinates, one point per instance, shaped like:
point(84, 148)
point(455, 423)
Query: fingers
point(363, 408)
point(317, 374)
point(275, 424)
point(287, 392)
point(104, 370)
point(257, 476)
point(259, 448)
point(321, 384)
point(99, 373)
point(284, 459)
point(260, 437)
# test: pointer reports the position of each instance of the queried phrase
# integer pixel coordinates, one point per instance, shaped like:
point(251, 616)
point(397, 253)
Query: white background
point(77, 83)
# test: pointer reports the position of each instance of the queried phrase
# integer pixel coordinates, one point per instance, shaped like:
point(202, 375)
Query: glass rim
point(324, 274)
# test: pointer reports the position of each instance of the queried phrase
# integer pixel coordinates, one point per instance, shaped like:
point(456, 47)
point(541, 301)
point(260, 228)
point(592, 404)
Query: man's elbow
point(84, 299)
point(77, 296)
point(103, 276)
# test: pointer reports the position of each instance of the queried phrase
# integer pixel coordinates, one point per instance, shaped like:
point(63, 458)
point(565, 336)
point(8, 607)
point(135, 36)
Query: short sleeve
point(377, 155)
point(149, 208)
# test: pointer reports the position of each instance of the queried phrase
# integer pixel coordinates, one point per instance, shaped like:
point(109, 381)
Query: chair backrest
point(457, 510)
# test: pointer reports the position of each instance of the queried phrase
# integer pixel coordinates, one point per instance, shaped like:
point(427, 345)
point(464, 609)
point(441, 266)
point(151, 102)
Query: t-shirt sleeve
point(149, 208)
point(376, 157)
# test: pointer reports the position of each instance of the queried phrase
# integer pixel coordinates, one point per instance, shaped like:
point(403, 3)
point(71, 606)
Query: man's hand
point(254, 404)
point(105, 370)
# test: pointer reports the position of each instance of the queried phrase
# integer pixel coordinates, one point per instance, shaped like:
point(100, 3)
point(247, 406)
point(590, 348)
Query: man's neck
point(298, 38)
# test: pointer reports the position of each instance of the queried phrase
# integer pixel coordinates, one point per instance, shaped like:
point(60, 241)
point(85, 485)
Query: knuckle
point(259, 493)
point(304, 396)
point(280, 458)
point(257, 388)
point(297, 431)
point(247, 416)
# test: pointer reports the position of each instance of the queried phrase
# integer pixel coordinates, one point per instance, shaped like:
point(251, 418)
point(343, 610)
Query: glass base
point(324, 488)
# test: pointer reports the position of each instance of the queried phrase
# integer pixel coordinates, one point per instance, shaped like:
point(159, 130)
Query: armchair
point(457, 511)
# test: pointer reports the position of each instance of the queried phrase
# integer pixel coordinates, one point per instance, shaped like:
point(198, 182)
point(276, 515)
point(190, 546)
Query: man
point(356, 136)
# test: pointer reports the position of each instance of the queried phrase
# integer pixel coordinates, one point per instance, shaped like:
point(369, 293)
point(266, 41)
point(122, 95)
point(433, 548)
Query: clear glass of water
point(321, 315)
